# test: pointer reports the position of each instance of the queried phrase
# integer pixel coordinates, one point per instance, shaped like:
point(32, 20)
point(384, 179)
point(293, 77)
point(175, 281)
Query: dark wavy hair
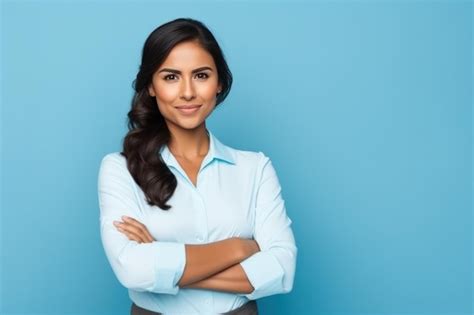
point(147, 130)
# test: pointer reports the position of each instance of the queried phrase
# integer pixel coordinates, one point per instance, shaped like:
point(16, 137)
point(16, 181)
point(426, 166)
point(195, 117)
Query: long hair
point(147, 130)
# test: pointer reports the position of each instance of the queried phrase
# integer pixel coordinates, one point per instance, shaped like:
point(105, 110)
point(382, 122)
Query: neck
point(189, 144)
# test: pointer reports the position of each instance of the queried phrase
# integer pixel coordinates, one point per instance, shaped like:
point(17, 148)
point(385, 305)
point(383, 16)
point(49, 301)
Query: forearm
point(205, 260)
point(232, 279)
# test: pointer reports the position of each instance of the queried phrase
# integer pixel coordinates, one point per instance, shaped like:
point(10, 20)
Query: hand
point(134, 230)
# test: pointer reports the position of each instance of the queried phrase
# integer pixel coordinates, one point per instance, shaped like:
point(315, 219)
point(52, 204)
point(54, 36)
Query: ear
point(219, 88)
point(150, 90)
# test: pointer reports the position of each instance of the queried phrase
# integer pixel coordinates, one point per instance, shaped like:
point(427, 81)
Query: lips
point(188, 106)
point(188, 110)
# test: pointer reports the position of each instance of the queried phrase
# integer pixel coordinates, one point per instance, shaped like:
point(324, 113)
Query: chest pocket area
point(176, 224)
point(231, 214)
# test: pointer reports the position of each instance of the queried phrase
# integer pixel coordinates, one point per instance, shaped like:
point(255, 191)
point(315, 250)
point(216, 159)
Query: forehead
point(188, 55)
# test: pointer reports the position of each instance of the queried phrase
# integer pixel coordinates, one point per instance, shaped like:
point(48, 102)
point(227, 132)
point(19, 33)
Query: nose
point(187, 89)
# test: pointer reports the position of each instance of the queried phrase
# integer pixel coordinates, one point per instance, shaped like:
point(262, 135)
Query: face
point(188, 76)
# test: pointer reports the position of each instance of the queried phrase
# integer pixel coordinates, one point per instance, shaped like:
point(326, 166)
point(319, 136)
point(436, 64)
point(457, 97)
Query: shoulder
point(113, 172)
point(257, 159)
point(113, 162)
point(113, 157)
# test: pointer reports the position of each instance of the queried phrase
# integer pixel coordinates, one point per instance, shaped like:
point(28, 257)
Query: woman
point(188, 224)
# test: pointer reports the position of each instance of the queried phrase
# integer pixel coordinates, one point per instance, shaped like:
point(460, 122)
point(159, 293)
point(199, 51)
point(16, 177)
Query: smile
point(188, 110)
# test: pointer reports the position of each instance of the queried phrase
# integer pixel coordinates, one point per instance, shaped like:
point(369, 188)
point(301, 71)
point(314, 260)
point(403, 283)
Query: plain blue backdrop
point(364, 108)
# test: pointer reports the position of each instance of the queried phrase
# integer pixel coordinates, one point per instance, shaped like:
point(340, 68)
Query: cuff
point(169, 267)
point(264, 273)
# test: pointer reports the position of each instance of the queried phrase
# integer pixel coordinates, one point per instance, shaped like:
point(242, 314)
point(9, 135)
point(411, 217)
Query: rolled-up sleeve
point(155, 267)
point(272, 269)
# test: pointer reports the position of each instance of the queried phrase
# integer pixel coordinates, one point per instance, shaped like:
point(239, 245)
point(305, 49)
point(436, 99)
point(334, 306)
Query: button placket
point(204, 231)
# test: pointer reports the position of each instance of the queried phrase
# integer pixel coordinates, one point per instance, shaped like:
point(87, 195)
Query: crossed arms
point(234, 265)
point(213, 266)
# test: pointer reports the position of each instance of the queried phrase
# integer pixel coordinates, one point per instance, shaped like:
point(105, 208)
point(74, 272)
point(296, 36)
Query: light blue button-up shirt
point(237, 194)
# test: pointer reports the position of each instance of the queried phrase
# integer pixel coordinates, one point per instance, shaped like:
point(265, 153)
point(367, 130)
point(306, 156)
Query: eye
point(205, 75)
point(167, 76)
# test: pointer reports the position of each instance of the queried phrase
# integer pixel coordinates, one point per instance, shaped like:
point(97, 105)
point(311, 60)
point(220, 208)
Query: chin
point(190, 125)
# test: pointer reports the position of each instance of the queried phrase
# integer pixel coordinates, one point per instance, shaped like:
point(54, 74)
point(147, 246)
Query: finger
point(132, 228)
point(136, 231)
point(152, 239)
point(139, 226)
point(127, 228)
point(148, 236)
point(138, 237)
point(133, 221)
point(131, 236)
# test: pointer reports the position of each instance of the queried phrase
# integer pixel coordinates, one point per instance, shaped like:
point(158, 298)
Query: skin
point(231, 278)
point(189, 140)
point(213, 266)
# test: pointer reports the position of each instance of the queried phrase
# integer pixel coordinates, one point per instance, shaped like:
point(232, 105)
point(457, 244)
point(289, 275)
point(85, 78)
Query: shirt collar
point(217, 150)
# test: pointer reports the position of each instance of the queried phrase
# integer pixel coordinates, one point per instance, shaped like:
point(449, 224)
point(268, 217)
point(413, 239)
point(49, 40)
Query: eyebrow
point(179, 72)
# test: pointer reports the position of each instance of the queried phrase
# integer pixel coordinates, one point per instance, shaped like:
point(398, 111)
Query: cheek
point(167, 93)
point(208, 91)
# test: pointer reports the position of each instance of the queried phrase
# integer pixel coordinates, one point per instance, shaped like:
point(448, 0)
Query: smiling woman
point(186, 85)
point(188, 224)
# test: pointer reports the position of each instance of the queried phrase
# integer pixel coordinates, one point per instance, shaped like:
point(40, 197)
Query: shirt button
point(200, 239)
point(208, 301)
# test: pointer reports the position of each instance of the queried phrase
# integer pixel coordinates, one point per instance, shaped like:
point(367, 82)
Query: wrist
point(240, 252)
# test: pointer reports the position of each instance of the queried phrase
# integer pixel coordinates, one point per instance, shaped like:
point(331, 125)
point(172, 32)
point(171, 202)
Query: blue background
point(364, 108)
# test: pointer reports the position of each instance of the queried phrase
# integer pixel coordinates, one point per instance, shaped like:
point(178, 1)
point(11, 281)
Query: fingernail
point(124, 217)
